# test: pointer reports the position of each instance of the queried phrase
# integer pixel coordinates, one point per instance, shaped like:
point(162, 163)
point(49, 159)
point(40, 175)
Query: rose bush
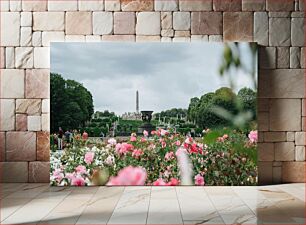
point(223, 158)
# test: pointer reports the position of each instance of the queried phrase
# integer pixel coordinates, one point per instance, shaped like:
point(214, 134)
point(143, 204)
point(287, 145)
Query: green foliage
point(71, 103)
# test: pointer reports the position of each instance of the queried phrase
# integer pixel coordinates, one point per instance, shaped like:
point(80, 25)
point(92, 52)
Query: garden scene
point(144, 123)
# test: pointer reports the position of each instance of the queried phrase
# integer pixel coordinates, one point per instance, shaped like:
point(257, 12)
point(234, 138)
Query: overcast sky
point(166, 75)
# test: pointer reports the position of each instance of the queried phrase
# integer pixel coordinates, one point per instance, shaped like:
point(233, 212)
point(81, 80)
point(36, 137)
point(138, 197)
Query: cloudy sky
point(166, 75)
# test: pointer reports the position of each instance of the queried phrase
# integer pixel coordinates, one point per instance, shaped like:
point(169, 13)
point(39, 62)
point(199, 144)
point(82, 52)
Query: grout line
point(177, 198)
point(149, 205)
point(115, 204)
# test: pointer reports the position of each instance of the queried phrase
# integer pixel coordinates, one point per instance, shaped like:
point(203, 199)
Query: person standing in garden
point(85, 135)
point(60, 139)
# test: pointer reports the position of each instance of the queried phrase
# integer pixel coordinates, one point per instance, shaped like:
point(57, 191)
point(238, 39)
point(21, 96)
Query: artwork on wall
point(153, 114)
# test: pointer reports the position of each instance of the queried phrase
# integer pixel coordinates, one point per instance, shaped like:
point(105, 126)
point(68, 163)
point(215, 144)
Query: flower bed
point(223, 157)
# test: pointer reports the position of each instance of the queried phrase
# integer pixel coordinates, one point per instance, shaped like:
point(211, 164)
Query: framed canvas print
point(153, 114)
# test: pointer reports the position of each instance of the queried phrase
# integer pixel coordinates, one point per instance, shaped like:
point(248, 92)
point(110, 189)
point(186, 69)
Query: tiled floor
point(41, 204)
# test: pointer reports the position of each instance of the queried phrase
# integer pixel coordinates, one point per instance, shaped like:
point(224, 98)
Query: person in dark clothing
point(60, 139)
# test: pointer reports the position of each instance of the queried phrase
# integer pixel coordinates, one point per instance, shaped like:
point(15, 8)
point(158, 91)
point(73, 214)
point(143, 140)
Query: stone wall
point(28, 27)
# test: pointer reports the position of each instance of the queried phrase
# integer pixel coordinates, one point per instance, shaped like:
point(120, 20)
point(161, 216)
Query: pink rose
point(188, 140)
point(89, 156)
point(137, 153)
point(159, 182)
point(253, 136)
point(69, 176)
point(179, 151)
point(164, 144)
point(133, 138)
point(81, 169)
point(145, 133)
point(143, 139)
point(129, 176)
point(199, 180)
point(163, 132)
point(58, 175)
point(78, 181)
point(123, 148)
point(112, 141)
point(177, 143)
point(169, 155)
point(173, 182)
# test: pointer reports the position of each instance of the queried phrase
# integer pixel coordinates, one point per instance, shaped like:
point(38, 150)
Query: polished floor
point(41, 204)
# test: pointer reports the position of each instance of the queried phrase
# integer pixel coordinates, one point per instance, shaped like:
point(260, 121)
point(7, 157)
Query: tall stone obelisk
point(137, 102)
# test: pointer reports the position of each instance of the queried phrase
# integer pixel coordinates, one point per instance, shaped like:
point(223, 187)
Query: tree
point(71, 103)
point(248, 98)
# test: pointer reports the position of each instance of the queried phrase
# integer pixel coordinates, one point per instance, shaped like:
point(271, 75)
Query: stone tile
point(28, 106)
point(303, 58)
point(303, 107)
point(238, 26)
point(279, 14)
point(275, 136)
point(283, 57)
point(166, 20)
point(12, 83)
point(102, 23)
point(91, 5)
point(42, 21)
point(2, 57)
point(34, 123)
point(39, 172)
point(181, 39)
point(92, 38)
point(24, 57)
point(300, 138)
point(261, 29)
point(2, 146)
point(43, 146)
point(301, 5)
point(45, 106)
point(112, 5)
point(263, 105)
point(181, 21)
point(253, 5)
point(228, 5)
point(182, 33)
point(201, 5)
point(75, 38)
point(293, 172)
point(266, 152)
point(281, 83)
point(120, 38)
point(282, 5)
point(215, 38)
point(26, 19)
point(34, 5)
point(267, 58)
point(52, 36)
point(285, 115)
point(167, 33)
point(10, 28)
point(300, 153)
point(297, 32)
point(298, 14)
point(263, 121)
point(7, 114)
point(279, 32)
point(20, 146)
point(170, 5)
point(41, 57)
point(206, 23)
point(124, 22)
point(25, 36)
point(284, 151)
point(166, 39)
point(16, 172)
point(5, 5)
point(21, 122)
point(143, 27)
point(58, 5)
point(143, 38)
point(295, 57)
point(264, 173)
point(199, 38)
point(37, 39)
point(78, 23)
point(10, 57)
point(45, 122)
point(37, 83)
point(290, 136)
point(137, 5)
point(277, 174)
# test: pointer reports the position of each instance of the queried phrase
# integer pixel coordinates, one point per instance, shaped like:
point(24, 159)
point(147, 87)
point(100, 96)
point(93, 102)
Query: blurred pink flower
point(145, 133)
point(180, 151)
point(177, 143)
point(112, 141)
point(163, 132)
point(81, 169)
point(253, 136)
point(169, 155)
point(133, 138)
point(129, 176)
point(199, 180)
point(173, 182)
point(159, 182)
point(137, 153)
point(78, 181)
point(58, 175)
point(164, 144)
point(123, 148)
point(89, 156)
